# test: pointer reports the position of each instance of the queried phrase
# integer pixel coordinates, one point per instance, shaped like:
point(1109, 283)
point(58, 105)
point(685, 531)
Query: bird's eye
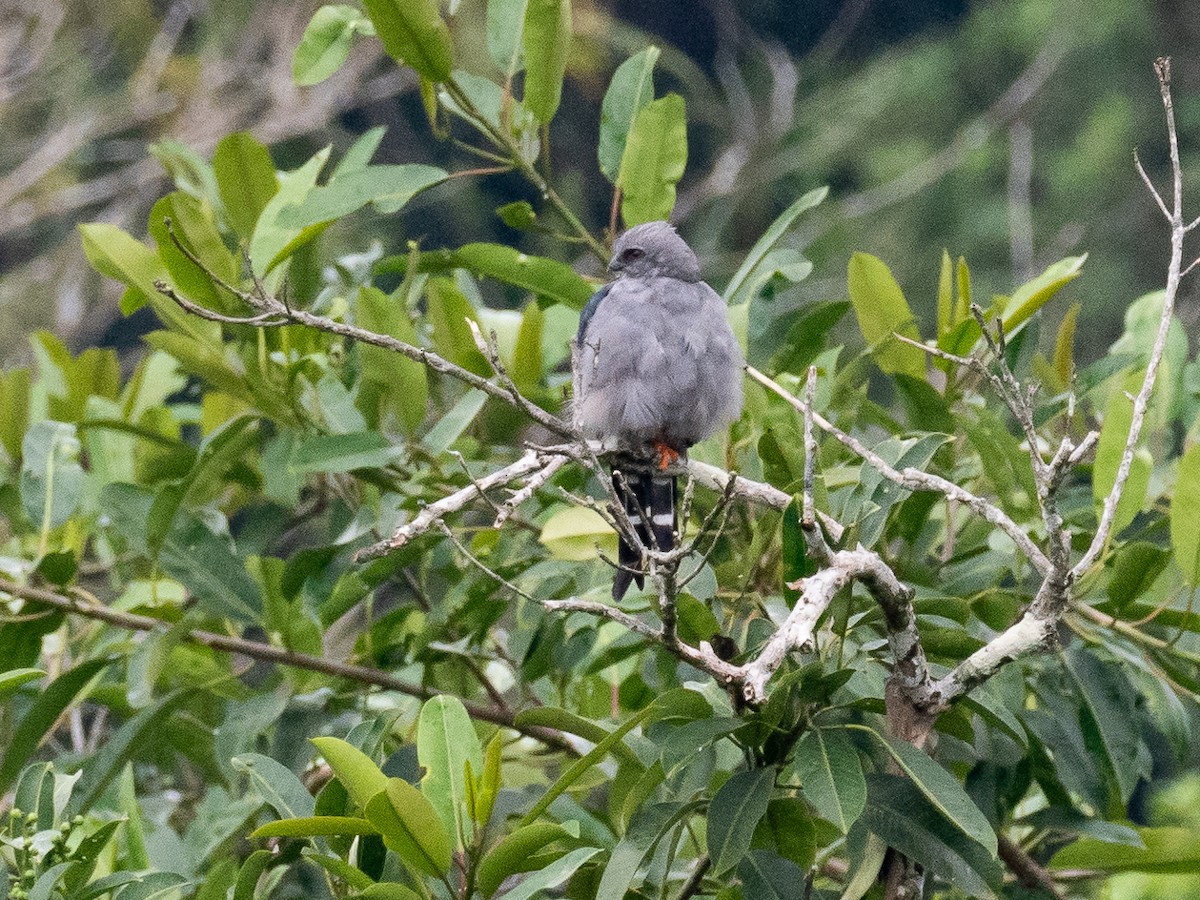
point(632, 253)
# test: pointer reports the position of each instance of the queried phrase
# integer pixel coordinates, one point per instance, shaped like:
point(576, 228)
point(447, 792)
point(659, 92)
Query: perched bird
point(656, 368)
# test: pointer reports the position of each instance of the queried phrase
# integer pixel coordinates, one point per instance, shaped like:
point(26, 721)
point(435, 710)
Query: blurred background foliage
point(998, 130)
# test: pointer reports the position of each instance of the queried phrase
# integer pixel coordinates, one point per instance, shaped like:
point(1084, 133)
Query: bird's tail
point(649, 502)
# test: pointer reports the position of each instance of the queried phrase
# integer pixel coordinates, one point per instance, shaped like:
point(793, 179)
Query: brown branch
point(268, 653)
point(1027, 869)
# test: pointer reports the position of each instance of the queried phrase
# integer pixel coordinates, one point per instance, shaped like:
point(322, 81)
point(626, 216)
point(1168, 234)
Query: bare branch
point(605, 611)
point(535, 482)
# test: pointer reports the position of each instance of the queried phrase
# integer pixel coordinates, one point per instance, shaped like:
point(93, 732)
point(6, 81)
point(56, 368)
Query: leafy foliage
point(218, 490)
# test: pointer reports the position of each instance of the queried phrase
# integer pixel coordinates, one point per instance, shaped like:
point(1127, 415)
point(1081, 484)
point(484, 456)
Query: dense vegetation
point(263, 636)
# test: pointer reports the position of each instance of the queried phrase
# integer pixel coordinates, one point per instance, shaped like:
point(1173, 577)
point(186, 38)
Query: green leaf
point(14, 678)
point(450, 427)
point(413, 33)
point(945, 297)
point(194, 226)
point(1167, 850)
point(352, 875)
point(246, 179)
point(734, 813)
point(882, 313)
point(547, 40)
point(552, 876)
point(388, 891)
point(213, 573)
point(37, 722)
point(505, 23)
point(831, 776)
point(1185, 523)
point(489, 780)
point(654, 161)
point(410, 826)
point(646, 828)
point(274, 241)
point(514, 853)
point(547, 278)
point(1114, 432)
point(314, 826)
point(405, 382)
point(902, 815)
point(256, 863)
point(52, 479)
point(1111, 702)
point(1064, 345)
point(357, 772)
point(564, 720)
point(526, 364)
point(358, 157)
point(1034, 294)
point(277, 784)
point(574, 533)
point(631, 88)
point(788, 829)
point(388, 188)
point(766, 875)
point(342, 453)
point(43, 888)
point(942, 790)
point(446, 741)
point(766, 243)
point(326, 43)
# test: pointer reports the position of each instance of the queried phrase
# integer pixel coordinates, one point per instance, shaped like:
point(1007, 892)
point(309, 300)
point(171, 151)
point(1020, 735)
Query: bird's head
point(654, 249)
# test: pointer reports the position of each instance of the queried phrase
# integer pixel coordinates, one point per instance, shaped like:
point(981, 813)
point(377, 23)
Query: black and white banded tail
point(649, 502)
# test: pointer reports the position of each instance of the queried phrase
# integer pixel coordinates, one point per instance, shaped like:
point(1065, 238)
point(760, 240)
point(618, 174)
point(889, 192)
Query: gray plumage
point(656, 359)
point(656, 365)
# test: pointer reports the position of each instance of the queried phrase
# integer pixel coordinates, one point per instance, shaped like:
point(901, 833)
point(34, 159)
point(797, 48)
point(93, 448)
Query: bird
point(657, 369)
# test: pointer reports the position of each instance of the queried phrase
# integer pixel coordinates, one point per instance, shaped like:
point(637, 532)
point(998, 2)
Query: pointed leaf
point(770, 238)
point(831, 776)
point(1166, 850)
point(389, 188)
point(1185, 523)
point(326, 43)
point(513, 853)
point(1034, 294)
point(277, 784)
point(405, 381)
point(246, 179)
point(547, 40)
point(882, 313)
point(410, 827)
point(446, 740)
point(552, 876)
point(357, 772)
point(733, 815)
point(314, 826)
point(631, 88)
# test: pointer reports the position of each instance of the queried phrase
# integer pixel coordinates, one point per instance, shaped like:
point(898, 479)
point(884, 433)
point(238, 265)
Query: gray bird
point(656, 368)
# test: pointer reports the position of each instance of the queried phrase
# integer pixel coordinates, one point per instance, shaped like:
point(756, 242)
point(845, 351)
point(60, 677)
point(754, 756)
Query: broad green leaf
point(314, 826)
point(1136, 566)
point(326, 43)
point(733, 815)
point(277, 784)
point(256, 863)
point(213, 572)
point(547, 278)
point(882, 313)
point(342, 453)
point(246, 179)
point(273, 240)
point(512, 854)
point(1167, 850)
point(1112, 703)
point(448, 312)
point(766, 875)
point(135, 833)
point(410, 827)
point(14, 410)
point(413, 33)
point(552, 876)
point(526, 364)
point(831, 776)
point(505, 24)
point(352, 875)
point(450, 427)
point(446, 741)
point(766, 243)
point(631, 88)
point(564, 720)
point(388, 188)
point(1114, 432)
point(358, 157)
point(388, 890)
point(354, 769)
point(788, 829)
point(575, 532)
point(43, 888)
point(14, 678)
point(1185, 520)
point(1034, 294)
point(902, 816)
point(37, 722)
point(52, 479)
point(942, 790)
point(405, 382)
point(194, 226)
point(654, 161)
point(547, 40)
